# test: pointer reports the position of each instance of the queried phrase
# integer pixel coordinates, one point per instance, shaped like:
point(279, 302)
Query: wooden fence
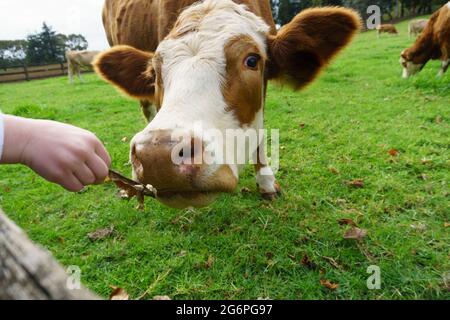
point(26, 73)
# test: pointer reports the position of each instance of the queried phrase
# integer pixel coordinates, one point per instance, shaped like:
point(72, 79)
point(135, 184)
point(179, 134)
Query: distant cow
point(386, 28)
point(207, 68)
point(417, 26)
point(432, 44)
point(78, 60)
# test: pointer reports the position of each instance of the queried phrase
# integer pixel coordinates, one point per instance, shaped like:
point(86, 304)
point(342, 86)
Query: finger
point(101, 151)
point(71, 183)
point(84, 174)
point(98, 167)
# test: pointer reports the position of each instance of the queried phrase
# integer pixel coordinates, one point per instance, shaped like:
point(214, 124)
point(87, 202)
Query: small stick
point(132, 188)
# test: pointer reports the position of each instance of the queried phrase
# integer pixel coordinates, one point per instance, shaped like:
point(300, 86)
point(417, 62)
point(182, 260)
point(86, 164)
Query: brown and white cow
point(386, 28)
point(432, 44)
point(417, 26)
point(79, 60)
point(210, 70)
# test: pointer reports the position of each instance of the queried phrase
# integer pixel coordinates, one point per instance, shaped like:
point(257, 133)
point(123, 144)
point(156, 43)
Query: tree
point(12, 53)
point(73, 42)
point(45, 47)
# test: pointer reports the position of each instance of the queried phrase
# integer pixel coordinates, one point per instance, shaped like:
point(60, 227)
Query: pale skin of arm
point(63, 154)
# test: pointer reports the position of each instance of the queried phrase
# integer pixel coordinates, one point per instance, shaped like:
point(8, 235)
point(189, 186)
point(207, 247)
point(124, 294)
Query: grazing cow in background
point(432, 44)
point(386, 28)
point(78, 60)
point(417, 26)
point(207, 75)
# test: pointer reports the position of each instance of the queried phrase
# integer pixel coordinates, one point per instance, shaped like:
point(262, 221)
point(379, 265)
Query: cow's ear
point(128, 69)
point(304, 46)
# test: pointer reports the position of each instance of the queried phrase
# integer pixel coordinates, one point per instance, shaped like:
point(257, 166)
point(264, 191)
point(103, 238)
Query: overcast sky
point(18, 18)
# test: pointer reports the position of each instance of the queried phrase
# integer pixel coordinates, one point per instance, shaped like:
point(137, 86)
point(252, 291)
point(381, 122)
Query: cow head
point(208, 76)
point(411, 63)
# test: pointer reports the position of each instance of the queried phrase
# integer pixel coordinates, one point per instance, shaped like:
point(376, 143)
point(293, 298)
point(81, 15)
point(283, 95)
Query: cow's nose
point(166, 161)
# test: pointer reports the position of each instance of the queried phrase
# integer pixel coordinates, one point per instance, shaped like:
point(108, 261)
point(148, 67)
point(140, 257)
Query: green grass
point(354, 114)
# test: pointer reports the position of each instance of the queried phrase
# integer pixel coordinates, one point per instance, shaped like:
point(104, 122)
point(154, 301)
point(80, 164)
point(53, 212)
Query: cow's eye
point(251, 61)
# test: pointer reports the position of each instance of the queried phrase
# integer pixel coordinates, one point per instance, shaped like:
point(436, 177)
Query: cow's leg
point(79, 73)
point(148, 109)
point(70, 71)
point(444, 66)
point(265, 179)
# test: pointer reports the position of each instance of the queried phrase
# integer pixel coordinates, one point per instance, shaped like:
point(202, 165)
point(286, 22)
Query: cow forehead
point(204, 29)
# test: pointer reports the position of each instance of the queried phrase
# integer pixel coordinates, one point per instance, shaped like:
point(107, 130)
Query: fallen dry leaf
point(333, 262)
point(209, 263)
point(124, 139)
point(355, 233)
point(302, 125)
point(419, 226)
point(346, 221)
point(306, 261)
point(333, 170)
point(101, 233)
point(132, 188)
point(446, 224)
point(328, 284)
point(357, 183)
point(118, 294)
point(393, 152)
point(246, 190)
point(162, 298)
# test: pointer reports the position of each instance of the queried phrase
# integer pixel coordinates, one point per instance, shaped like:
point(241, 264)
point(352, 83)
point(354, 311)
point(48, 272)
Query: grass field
point(339, 129)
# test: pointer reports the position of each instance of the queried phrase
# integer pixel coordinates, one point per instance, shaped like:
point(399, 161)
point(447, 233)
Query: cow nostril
point(181, 154)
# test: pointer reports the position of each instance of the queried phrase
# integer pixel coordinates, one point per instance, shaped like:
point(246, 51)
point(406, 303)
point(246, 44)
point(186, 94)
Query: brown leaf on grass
point(132, 188)
point(302, 125)
point(306, 261)
point(446, 224)
point(328, 284)
point(333, 262)
point(118, 294)
point(393, 153)
point(162, 298)
point(357, 183)
point(246, 190)
point(355, 233)
point(347, 222)
point(209, 263)
point(333, 170)
point(101, 233)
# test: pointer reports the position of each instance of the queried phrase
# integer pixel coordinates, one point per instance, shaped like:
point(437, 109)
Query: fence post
point(29, 272)
point(25, 69)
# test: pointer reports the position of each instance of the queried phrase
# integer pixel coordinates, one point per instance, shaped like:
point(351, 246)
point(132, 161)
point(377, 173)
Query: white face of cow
point(409, 67)
point(208, 77)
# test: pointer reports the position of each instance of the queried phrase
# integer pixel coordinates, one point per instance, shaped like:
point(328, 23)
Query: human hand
point(69, 156)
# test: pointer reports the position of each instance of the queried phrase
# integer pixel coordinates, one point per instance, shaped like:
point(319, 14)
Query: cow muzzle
point(175, 166)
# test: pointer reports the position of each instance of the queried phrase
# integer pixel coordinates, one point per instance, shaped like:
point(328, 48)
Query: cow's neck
point(424, 50)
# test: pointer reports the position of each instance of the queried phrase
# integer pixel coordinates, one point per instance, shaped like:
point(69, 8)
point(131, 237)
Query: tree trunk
point(28, 272)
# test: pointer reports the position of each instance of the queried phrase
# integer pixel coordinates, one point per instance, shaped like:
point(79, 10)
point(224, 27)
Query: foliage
point(12, 52)
point(285, 10)
point(42, 47)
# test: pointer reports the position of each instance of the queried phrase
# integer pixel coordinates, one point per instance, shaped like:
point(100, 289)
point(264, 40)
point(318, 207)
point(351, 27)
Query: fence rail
point(26, 73)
